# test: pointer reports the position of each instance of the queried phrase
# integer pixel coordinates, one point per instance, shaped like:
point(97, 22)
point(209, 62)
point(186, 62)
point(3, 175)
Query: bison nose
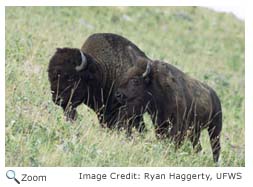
point(120, 96)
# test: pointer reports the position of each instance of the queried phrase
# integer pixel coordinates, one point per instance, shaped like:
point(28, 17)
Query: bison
point(90, 75)
point(179, 105)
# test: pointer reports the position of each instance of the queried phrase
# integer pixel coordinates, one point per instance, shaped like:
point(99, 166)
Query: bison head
point(133, 90)
point(68, 74)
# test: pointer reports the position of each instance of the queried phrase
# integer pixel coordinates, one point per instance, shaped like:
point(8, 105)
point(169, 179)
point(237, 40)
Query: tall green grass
point(207, 45)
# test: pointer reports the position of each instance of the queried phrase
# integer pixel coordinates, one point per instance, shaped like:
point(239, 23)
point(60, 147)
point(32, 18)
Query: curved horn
point(83, 63)
point(148, 70)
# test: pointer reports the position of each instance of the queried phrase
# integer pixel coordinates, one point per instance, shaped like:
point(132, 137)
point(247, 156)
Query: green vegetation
point(207, 45)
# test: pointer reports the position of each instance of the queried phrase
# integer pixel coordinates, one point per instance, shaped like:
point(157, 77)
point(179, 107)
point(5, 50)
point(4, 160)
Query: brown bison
point(179, 105)
point(91, 76)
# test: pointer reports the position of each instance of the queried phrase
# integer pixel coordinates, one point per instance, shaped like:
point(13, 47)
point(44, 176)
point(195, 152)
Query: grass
point(207, 45)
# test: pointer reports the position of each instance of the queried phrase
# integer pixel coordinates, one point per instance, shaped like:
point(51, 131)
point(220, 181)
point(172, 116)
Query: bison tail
point(214, 131)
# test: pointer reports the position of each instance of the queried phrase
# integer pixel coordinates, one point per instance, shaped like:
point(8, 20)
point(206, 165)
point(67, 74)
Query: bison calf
point(179, 105)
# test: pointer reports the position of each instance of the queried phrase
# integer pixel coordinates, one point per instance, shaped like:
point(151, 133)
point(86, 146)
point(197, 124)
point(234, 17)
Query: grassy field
point(207, 45)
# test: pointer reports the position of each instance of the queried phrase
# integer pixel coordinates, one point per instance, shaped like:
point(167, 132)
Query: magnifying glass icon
point(10, 174)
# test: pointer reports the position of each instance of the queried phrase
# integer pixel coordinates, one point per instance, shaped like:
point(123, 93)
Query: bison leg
point(136, 122)
point(195, 139)
point(139, 124)
point(113, 120)
point(214, 134)
point(162, 130)
point(71, 114)
point(196, 143)
point(120, 120)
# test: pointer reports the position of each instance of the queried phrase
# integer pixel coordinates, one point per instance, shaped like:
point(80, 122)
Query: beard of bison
point(69, 73)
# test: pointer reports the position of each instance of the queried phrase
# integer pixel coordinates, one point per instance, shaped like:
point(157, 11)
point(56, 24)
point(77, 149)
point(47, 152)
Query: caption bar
point(160, 176)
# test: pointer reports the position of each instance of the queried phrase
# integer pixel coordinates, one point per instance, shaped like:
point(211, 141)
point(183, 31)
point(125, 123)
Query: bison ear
point(58, 50)
point(62, 50)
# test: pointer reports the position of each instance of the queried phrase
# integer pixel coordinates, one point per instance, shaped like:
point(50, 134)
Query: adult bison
point(91, 76)
point(179, 105)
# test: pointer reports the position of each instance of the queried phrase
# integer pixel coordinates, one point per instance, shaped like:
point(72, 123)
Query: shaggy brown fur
point(94, 85)
point(178, 104)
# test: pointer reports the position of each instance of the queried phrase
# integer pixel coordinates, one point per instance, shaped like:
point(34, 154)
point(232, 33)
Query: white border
point(123, 3)
point(249, 88)
point(68, 176)
point(2, 90)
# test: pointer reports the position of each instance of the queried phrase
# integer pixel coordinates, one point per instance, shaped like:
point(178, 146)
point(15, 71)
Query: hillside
point(207, 45)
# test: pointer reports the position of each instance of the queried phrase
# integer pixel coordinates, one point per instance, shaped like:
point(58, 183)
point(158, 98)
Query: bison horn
point(148, 70)
point(83, 63)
